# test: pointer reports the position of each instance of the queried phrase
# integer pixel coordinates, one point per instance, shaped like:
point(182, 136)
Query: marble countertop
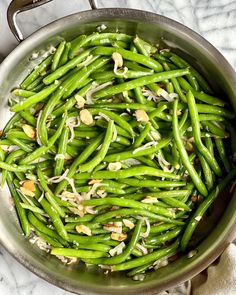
point(213, 19)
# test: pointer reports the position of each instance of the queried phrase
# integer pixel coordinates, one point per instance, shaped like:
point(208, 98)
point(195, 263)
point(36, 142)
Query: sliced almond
point(118, 237)
point(101, 192)
point(118, 59)
point(83, 229)
point(115, 166)
point(80, 101)
point(94, 181)
point(26, 192)
point(29, 185)
point(29, 131)
point(149, 200)
point(128, 223)
point(86, 117)
point(141, 116)
point(113, 228)
point(77, 211)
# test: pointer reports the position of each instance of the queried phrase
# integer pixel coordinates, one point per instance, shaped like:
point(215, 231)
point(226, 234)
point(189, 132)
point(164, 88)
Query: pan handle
point(17, 6)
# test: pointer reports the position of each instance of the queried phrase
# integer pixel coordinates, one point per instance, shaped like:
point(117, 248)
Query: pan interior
point(155, 29)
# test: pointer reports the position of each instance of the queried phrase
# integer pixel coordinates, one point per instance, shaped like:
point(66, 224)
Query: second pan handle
point(18, 6)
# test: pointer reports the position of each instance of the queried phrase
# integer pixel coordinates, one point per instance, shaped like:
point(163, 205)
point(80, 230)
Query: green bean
point(169, 87)
point(151, 257)
point(112, 90)
point(16, 133)
point(82, 40)
point(15, 118)
point(102, 152)
point(209, 145)
point(129, 172)
point(215, 129)
point(130, 204)
point(182, 63)
point(40, 96)
point(161, 239)
point(42, 149)
point(210, 117)
point(198, 214)
point(20, 143)
point(55, 218)
point(28, 117)
point(57, 55)
point(61, 71)
point(16, 168)
point(136, 67)
point(79, 160)
point(123, 256)
point(143, 135)
point(176, 203)
point(207, 172)
point(153, 183)
point(36, 72)
point(139, 95)
point(32, 208)
point(222, 153)
point(78, 219)
point(133, 106)
point(2, 154)
point(9, 160)
point(83, 74)
point(61, 151)
point(65, 55)
point(48, 193)
point(89, 240)
point(77, 253)
point(126, 54)
point(211, 109)
point(23, 93)
point(184, 156)
point(115, 117)
point(48, 239)
point(176, 85)
point(139, 270)
point(35, 84)
point(21, 212)
point(197, 137)
point(162, 227)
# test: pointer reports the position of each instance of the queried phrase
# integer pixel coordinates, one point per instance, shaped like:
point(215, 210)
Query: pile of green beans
point(115, 152)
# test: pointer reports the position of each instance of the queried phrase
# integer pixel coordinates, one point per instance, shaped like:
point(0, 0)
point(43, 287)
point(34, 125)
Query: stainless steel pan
point(152, 27)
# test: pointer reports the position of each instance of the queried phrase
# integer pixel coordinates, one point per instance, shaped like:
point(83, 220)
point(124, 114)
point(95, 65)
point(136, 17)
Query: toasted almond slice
point(77, 211)
point(113, 228)
point(80, 101)
point(29, 185)
point(29, 130)
point(141, 116)
point(128, 223)
point(115, 166)
point(86, 117)
point(26, 192)
point(118, 237)
point(149, 200)
point(94, 181)
point(118, 59)
point(101, 193)
point(83, 229)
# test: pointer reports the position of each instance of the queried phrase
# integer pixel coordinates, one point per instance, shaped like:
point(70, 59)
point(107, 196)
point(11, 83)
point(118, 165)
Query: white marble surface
point(214, 19)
